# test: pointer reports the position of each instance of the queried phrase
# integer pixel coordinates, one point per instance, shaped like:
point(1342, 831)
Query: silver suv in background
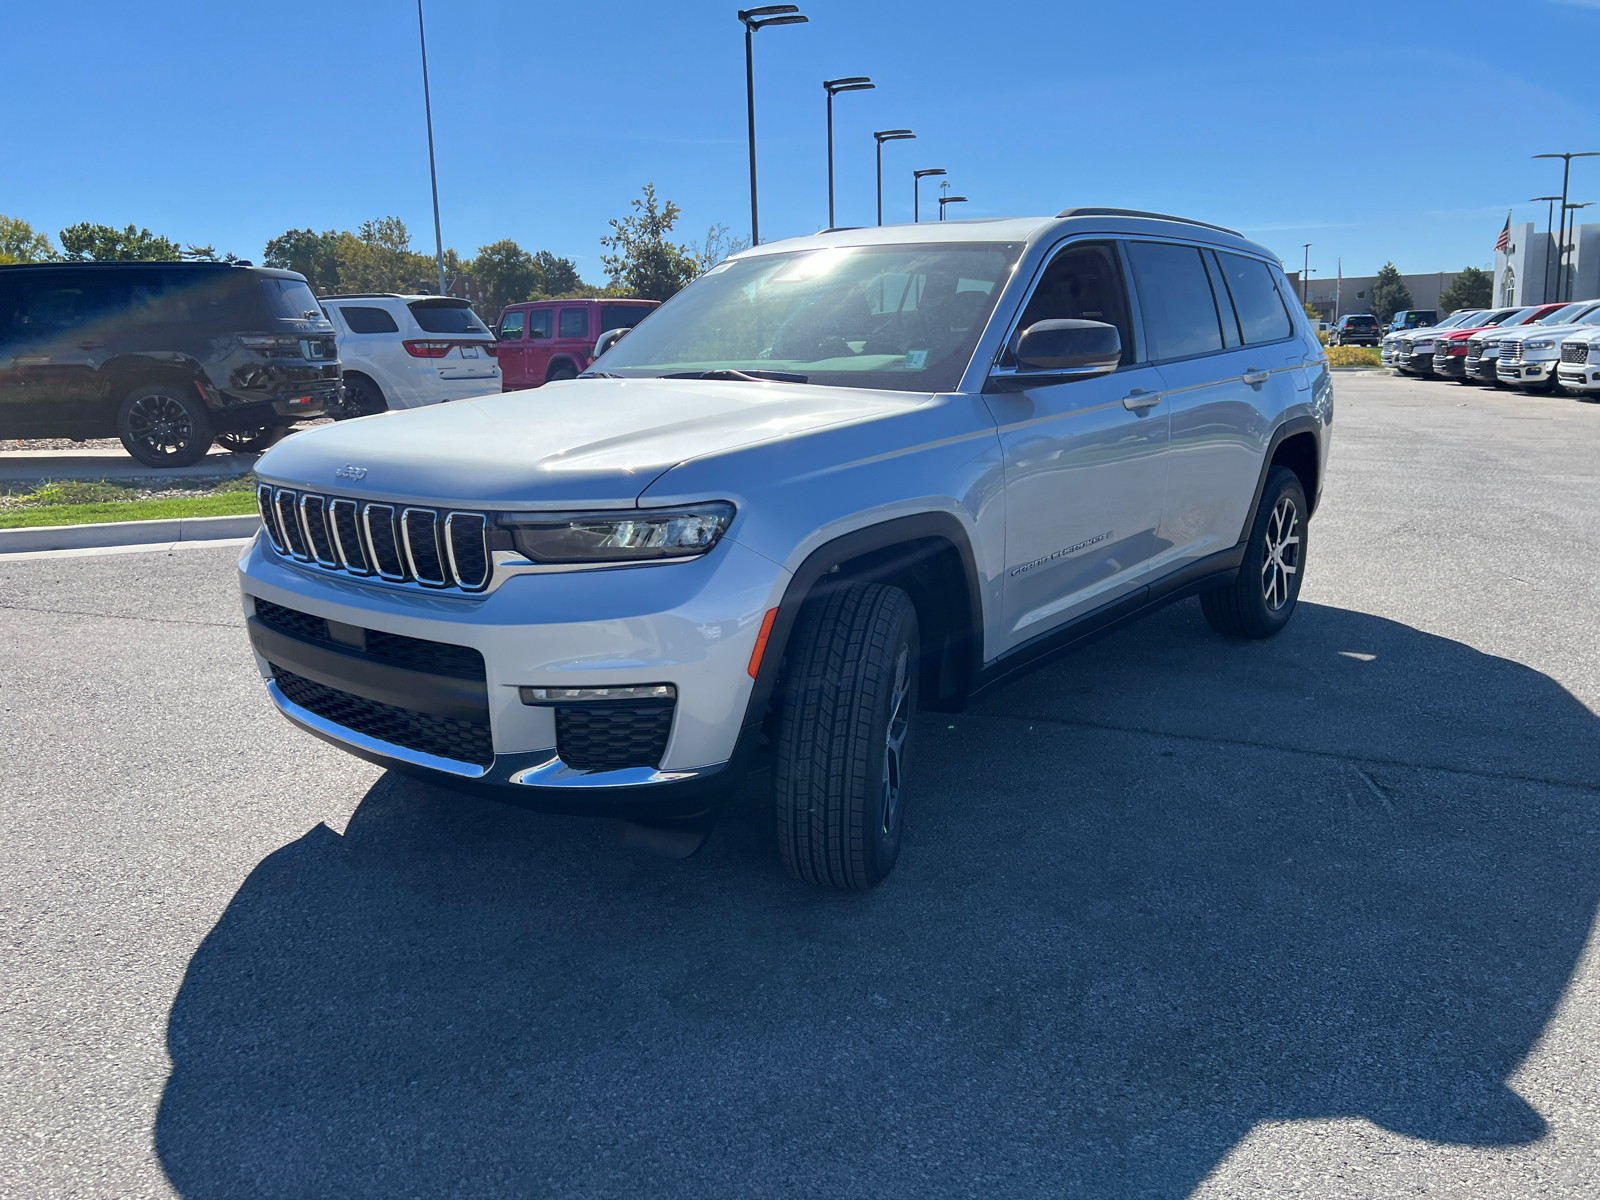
point(834, 481)
point(410, 351)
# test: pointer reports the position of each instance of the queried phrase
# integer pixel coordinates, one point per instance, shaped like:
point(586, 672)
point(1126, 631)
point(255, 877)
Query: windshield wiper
point(741, 376)
point(599, 375)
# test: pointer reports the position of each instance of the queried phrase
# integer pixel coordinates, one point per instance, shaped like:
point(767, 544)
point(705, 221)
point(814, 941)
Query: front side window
point(539, 323)
point(1083, 282)
point(510, 327)
point(1180, 314)
point(574, 322)
point(905, 317)
point(364, 319)
point(1262, 315)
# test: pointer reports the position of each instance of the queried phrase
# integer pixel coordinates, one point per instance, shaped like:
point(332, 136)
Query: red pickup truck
point(554, 339)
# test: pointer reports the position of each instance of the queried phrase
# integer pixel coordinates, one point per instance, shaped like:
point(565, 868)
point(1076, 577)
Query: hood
point(1524, 332)
point(587, 442)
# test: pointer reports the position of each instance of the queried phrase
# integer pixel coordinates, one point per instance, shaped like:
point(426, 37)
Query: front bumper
point(690, 624)
point(1450, 366)
point(1580, 377)
point(1524, 373)
point(1483, 369)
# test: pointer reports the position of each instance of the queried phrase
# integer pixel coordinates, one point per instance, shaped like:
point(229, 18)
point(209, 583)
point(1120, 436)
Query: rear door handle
point(1139, 398)
point(1255, 375)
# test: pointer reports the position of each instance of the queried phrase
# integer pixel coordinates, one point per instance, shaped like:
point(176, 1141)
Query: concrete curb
point(127, 533)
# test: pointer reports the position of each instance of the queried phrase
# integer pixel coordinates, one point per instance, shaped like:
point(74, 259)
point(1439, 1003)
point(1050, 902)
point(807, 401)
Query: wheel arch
point(1295, 444)
point(560, 360)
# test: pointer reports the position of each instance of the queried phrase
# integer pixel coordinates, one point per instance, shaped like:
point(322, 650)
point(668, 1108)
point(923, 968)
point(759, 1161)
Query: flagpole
point(1338, 292)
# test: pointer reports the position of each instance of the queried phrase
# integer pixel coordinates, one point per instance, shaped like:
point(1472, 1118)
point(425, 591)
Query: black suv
point(1360, 330)
point(167, 356)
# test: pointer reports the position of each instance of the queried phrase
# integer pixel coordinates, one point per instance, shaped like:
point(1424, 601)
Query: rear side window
point(539, 323)
point(60, 306)
point(574, 322)
point(1180, 316)
point(437, 317)
point(621, 316)
point(362, 319)
point(510, 327)
point(1262, 316)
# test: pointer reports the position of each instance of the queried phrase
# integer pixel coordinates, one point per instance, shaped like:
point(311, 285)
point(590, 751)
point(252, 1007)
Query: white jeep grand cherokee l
point(833, 481)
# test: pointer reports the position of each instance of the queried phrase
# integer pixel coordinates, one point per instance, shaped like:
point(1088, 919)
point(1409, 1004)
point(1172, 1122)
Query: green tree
point(20, 244)
point(560, 274)
point(101, 243)
point(1389, 294)
point(314, 255)
point(378, 258)
point(717, 246)
point(506, 274)
point(1313, 313)
point(642, 262)
point(1473, 288)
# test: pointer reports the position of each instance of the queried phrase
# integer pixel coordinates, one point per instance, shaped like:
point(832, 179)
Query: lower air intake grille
point(603, 737)
point(393, 649)
point(444, 737)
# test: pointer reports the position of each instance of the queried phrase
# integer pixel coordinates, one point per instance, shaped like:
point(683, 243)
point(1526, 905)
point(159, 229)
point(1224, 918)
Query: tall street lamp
point(433, 173)
point(1569, 243)
point(943, 200)
point(916, 185)
point(1549, 242)
point(887, 135)
point(753, 19)
point(1566, 171)
point(853, 83)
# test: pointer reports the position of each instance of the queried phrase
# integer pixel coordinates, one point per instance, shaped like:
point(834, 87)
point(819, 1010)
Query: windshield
point(444, 316)
point(291, 300)
point(903, 317)
point(1564, 314)
point(1456, 321)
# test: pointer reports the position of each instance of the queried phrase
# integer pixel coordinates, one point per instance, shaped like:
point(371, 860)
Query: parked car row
point(1535, 348)
point(542, 341)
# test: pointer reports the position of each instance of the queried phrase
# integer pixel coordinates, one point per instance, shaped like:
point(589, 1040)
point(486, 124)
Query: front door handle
point(1139, 398)
point(1255, 375)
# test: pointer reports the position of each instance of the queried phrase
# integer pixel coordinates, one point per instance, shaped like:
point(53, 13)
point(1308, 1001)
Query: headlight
point(1541, 345)
point(616, 537)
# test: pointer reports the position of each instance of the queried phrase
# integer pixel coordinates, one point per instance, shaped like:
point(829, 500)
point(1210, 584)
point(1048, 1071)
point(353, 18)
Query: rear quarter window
point(1262, 315)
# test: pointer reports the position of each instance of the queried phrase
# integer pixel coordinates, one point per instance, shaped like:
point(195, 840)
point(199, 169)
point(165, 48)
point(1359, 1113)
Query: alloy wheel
point(895, 740)
point(161, 423)
point(1281, 561)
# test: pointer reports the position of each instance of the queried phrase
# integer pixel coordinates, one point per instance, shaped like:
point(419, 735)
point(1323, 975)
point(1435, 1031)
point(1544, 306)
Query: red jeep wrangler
point(554, 339)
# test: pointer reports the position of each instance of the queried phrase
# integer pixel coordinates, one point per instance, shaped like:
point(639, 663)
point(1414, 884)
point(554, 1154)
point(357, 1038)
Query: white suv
point(833, 481)
point(410, 351)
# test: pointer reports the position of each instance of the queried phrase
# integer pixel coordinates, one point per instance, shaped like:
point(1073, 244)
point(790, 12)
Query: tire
point(849, 694)
point(162, 426)
point(362, 398)
point(251, 441)
point(1261, 600)
point(563, 370)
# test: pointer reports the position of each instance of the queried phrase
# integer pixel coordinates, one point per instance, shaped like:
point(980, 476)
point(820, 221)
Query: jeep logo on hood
point(349, 472)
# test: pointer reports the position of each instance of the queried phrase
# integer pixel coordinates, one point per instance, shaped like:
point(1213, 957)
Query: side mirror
point(609, 339)
point(1077, 349)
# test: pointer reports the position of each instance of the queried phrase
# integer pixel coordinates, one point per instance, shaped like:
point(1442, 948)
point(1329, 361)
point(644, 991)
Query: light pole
point(1549, 242)
point(854, 83)
point(1305, 273)
point(1569, 242)
point(887, 135)
point(753, 19)
point(916, 185)
point(1566, 172)
point(433, 173)
point(943, 200)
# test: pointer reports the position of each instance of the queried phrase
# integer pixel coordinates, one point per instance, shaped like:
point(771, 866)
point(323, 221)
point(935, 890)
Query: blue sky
point(1403, 135)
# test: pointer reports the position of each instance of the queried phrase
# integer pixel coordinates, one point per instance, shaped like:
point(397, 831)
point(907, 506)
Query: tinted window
point(55, 306)
point(1082, 282)
point(1180, 317)
point(621, 316)
point(1219, 291)
point(367, 320)
point(290, 299)
point(539, 323)
point(510, 326)
point(574, 322)
point(1262, 315)
point(443, 316)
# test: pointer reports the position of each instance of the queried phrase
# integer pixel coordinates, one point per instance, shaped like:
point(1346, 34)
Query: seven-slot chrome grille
point(1510, 351)
point(1574, 352)
point(423, 546)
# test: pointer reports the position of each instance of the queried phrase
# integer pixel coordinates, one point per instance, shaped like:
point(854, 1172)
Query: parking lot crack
point(73, 612)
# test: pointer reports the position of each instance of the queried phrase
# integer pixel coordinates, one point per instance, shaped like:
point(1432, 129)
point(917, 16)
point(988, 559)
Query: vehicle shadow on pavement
point(1152, 895)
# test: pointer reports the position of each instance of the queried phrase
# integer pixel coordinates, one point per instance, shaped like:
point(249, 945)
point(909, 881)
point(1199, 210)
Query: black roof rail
point(123, 263)
point(1134, 212)
point(363, 296)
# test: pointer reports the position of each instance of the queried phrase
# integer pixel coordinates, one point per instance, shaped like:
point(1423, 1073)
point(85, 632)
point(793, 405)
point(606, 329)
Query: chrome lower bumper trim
point(556, 773)
point(372, 745)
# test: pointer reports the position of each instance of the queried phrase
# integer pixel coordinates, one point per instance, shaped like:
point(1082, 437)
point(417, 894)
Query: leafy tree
point(20, 244)
point(560, 274)
point(314, 255)
point(101, 243)
point(506, 274)
point(1312, 312)
point(1473, 288)
point(717, 246)
point(642, 262)
point(1389, 294)
point(193, 253)
point(379, 258)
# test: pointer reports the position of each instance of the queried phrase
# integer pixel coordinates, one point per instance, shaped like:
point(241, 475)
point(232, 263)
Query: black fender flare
point(1293, 427)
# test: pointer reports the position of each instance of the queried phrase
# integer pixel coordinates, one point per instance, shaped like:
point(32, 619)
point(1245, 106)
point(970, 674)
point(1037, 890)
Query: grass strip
point(226, 505)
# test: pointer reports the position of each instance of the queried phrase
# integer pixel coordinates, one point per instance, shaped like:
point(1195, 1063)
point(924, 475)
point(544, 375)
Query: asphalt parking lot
point(1177, 916)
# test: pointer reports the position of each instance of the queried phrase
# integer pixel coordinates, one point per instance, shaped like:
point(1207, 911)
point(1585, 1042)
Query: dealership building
point(1530, 262)
point(1354, 293)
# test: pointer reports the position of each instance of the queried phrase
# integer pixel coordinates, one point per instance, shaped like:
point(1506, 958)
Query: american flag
point(1505, 235)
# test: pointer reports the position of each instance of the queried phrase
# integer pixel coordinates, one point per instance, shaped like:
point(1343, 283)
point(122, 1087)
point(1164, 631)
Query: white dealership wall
point(1519, 271)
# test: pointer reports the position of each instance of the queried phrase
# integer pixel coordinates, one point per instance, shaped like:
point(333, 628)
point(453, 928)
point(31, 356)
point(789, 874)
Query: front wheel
point(849, 692)
point(162, 426)
point(1262, 599)
point(361, 398)
point(562, 370)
